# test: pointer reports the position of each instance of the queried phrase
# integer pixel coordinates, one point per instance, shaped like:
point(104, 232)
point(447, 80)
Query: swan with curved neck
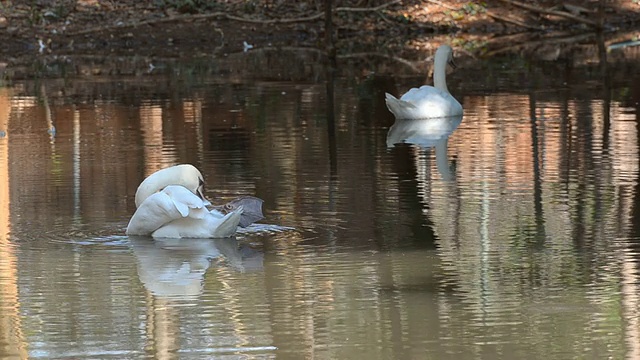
point(171, 204)
point(428, 101)
point(186, 175)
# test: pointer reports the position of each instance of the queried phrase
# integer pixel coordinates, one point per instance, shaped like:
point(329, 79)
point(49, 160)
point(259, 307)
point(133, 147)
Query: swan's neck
point(440, 72)
point(442, 160)
point(185, 175)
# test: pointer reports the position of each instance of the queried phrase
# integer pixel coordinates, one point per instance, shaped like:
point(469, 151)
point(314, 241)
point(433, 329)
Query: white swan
point(170, 204)
point(428, 101)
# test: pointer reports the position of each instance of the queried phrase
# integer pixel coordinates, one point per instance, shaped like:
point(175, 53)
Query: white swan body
point(178, 210)
point(428, 101)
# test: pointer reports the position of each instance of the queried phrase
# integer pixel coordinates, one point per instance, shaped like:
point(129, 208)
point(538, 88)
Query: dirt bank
point(189, 29)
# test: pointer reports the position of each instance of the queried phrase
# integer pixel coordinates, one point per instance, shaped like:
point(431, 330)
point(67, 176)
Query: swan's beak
point(200, 193)
point(453, 64)
point(201, 196)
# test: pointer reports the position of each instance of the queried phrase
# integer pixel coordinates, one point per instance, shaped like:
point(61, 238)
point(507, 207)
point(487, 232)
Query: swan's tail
point(399, 108)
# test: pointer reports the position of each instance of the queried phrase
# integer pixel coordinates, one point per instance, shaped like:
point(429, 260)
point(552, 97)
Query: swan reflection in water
point(427, 133)
point(174, 268)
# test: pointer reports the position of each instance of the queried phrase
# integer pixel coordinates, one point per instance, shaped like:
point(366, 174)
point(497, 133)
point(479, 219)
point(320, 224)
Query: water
point(517, 236)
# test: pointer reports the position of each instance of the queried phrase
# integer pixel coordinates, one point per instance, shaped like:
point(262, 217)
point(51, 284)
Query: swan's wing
point(228, 225)
point(400, 108)
point(415, 95)
point(423, 103)
point(161, 208)
point(402, 101)
point(210, 226)
point(185, 201)
point(433, 102)
point(182, 207)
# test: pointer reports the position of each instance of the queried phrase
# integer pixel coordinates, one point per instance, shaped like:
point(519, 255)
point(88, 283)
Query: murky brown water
point(516, 237)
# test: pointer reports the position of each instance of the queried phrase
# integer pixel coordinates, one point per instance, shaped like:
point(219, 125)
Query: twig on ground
point(385, 19)
point(376, 8)
point(276, 21)
point(552, 12)
point(548, 40)
point(443, 5)
point(512, 21)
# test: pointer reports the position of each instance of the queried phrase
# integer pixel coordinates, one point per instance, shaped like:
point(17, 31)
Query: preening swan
point(171, 204)
point(186, 175)
point(428, 101)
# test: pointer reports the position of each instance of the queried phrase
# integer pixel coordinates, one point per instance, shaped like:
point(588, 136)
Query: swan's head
point(186, 175)
point(445, 55)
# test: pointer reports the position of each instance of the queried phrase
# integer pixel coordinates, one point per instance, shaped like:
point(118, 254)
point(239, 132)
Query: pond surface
point(513, 233)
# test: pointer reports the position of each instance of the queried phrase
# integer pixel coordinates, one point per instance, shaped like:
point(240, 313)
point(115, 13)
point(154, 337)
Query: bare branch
point(552, 12)
point(512, 21)
point(376, 8)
